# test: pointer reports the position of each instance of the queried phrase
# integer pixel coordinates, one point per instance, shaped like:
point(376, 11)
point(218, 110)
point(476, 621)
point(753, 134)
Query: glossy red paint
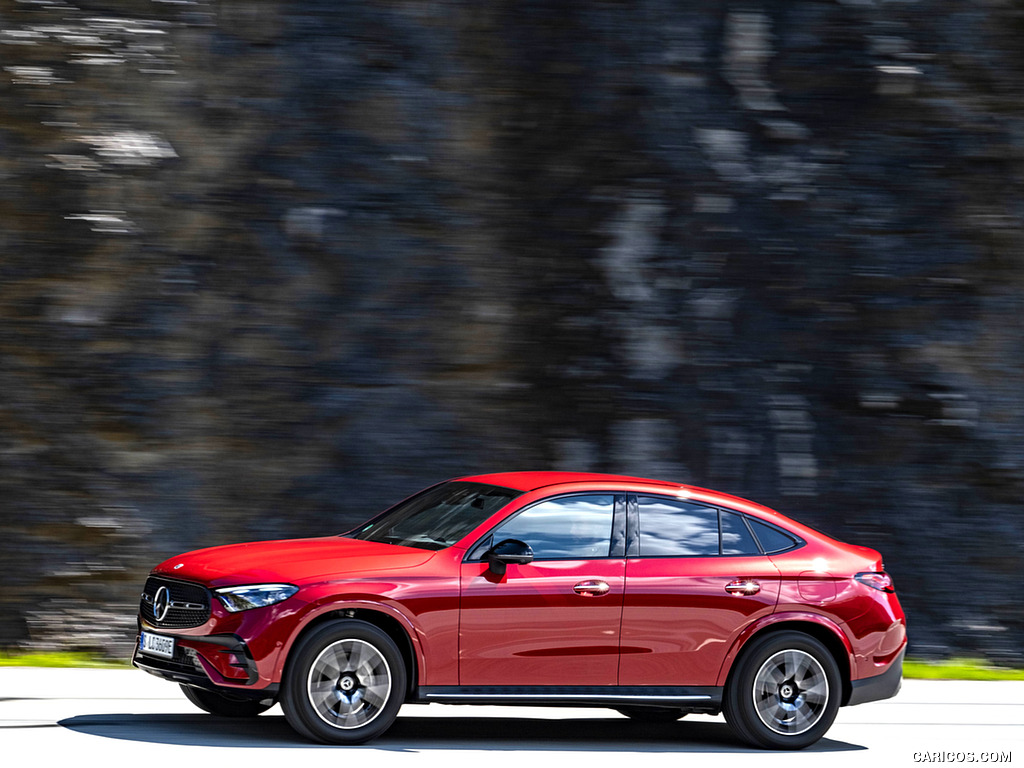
point(613, 624)
point(679, 622)
point(532, 628)
point(554, 482)
point(290, 559)
point(818, 579)
point(376, 578)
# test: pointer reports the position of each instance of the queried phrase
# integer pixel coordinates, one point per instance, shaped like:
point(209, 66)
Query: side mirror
point(508, 551)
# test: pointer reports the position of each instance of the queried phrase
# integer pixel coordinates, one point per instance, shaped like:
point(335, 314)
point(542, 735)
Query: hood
point(289, 561)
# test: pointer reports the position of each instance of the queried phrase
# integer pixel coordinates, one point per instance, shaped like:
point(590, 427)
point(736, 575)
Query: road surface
point(89, 717)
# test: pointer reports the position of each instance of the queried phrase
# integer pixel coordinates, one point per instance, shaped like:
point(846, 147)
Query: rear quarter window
point(773, 540)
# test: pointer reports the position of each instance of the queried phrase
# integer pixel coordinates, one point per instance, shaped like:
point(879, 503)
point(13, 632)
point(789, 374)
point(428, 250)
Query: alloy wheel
point(790, 692)
point(349, 683)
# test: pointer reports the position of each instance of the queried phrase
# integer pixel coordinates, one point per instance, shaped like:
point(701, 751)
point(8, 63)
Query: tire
point(784, 692)
point(344, 683)
point(652, 714)
point(224, 704)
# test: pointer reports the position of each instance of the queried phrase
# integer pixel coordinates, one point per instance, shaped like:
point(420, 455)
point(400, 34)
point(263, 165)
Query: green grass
point(958, 669)
point(62, 659)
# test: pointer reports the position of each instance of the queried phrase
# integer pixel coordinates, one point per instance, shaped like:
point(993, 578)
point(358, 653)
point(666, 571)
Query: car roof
point(533, 481)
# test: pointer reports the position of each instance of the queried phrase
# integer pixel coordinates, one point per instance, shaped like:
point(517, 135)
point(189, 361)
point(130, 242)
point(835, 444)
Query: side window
point(672, 528)
point(736, 538)
point(566, 528)
point(771, 538)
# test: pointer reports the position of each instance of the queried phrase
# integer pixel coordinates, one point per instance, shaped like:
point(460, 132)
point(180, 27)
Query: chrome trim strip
point(187, 606)
point(563, 696)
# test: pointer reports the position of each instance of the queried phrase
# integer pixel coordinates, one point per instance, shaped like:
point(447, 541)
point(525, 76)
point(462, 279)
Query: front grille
point(189, 604)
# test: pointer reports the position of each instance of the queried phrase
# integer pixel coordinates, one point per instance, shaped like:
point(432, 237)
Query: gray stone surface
point(267, 267)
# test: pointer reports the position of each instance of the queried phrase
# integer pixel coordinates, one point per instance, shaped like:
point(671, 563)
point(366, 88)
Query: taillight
point(879, 580)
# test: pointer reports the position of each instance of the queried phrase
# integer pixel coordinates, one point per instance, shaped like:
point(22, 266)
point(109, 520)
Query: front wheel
point(784, 692)
point(224, 704)
point(344, 684)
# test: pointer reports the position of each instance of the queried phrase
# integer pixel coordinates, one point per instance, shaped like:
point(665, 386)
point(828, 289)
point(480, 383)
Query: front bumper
point(210, 661)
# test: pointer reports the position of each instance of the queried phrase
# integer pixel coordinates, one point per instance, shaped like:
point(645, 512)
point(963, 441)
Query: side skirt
point(698, 699)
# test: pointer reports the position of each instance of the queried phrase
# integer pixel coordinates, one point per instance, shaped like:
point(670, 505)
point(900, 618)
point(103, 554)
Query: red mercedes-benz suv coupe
point(545, 588)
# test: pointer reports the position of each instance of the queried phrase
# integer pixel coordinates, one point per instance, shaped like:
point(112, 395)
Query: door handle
point(743, 587)
point(591, 588)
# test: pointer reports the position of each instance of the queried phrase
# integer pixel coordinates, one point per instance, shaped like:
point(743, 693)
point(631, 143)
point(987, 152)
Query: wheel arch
point(818, 627)
point(381, 619)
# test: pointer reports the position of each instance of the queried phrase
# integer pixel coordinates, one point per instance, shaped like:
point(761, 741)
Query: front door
point(554, 621)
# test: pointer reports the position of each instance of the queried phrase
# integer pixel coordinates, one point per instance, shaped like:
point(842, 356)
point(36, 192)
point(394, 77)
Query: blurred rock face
point(267, 267)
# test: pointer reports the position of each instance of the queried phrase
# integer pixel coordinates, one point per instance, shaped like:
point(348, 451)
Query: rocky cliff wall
point(266, 267)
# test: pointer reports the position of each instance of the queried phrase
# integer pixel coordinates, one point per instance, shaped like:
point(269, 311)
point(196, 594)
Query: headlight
point(254, 596)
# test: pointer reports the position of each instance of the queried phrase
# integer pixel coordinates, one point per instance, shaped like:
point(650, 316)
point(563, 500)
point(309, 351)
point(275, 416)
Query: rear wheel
point(345, 683)
point(224, 704)
point(784, 692)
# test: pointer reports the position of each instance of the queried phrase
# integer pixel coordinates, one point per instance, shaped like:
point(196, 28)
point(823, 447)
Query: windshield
point(438, 517)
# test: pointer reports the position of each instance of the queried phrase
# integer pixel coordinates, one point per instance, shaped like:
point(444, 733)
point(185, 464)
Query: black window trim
point(798, 541)
point(633, 529)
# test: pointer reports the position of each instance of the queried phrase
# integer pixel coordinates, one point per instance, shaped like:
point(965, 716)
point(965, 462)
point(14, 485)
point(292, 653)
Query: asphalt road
point(86, 717)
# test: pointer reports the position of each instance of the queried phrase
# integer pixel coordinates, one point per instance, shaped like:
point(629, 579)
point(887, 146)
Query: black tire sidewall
point(294, 699)
point(738, 703)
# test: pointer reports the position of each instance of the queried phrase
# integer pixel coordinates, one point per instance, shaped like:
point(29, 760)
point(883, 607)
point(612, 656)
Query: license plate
point(156, 645)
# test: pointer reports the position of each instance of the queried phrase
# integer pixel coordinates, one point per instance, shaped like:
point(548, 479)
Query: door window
point(565, 528)
point(736, 537)
point(673, 528)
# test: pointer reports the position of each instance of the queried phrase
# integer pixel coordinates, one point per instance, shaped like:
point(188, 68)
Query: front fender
point(432, 632)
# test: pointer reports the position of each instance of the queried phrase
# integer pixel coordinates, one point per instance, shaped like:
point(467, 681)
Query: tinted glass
point(736, 538)
point(567, 528)
point(438, 517)
point(771, 538)
point(671, 528)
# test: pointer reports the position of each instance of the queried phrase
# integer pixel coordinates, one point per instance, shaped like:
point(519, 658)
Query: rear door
point(695, 578)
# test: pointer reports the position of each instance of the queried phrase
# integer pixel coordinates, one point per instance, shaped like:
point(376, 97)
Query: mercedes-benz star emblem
point(161, 603)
